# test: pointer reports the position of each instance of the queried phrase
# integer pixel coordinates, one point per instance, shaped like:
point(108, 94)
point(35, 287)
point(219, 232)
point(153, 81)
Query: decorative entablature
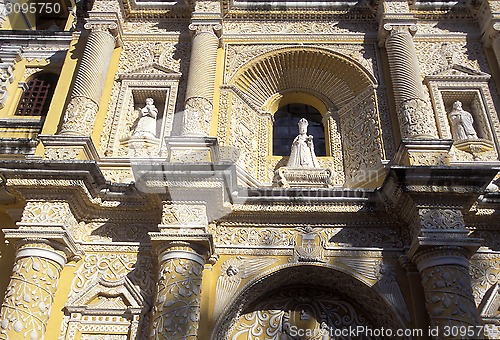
point(137, 9)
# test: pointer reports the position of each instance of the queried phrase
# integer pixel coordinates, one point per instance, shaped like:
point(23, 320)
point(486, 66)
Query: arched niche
point(341, 89)
point(339, 285)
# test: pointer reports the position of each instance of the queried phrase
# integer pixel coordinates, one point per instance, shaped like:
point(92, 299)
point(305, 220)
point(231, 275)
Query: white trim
point(46, 254)
point(180, 254)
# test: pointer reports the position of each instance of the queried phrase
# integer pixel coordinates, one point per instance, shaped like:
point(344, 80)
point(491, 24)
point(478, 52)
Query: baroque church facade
point(237, 169)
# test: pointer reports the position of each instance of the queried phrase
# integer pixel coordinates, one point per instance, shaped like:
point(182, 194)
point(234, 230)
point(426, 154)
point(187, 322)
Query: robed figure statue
point(146, 126)
point(461, 123)
point(302, 153)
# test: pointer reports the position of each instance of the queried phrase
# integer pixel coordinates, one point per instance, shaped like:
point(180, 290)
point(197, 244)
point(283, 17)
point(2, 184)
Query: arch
point(306, 69)
point(330, 277)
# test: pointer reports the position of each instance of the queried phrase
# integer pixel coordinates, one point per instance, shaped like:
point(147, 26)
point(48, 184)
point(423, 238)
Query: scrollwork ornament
point(177, 309)
point(30, 294)
point(442, 219)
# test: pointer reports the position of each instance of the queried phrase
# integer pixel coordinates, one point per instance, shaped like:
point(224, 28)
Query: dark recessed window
point(35, 100)
point(285, 128)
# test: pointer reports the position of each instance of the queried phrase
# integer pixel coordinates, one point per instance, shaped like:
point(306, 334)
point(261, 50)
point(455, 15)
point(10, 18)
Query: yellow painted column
point(176, 311)
point(81, 112)
point(448, 292)
point(441, 250)
point(415, 115)
point(201, 79)
point(30, 294)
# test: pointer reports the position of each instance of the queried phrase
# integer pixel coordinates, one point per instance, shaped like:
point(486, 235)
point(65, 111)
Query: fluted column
point(441, 250)
point(30, 294)
point(201, 79)
point(81, 112)
point(415, 115)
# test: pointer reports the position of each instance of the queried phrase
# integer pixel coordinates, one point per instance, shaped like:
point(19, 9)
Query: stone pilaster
point(30, 294)
point(201, 79)
point(81, 112)
point(441, 250)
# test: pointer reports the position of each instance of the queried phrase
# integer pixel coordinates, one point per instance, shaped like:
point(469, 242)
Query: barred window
point(35, 100)
point(285, 128)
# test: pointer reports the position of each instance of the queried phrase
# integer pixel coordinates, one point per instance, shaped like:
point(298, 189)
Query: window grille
point(35, 100)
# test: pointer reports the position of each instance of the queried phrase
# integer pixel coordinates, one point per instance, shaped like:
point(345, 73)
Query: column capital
point(389, 29)
point(185, 243)
point(105, 22)
point(54, 236)
point(438, 229)
point(211, 27)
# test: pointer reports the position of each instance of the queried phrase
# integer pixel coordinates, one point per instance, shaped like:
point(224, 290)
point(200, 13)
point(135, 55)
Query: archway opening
point(310, 281)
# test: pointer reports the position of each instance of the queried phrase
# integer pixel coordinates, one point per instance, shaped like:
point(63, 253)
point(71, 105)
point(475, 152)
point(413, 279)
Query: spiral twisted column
point(30, 294)
point(415, 115)
point(201, 79)
point(81, 112)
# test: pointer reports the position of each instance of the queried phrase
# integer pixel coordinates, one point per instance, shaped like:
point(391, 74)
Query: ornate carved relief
point(47, 212)
point(234, 271)
point(114, 267)
point(449, 297)
point(184, 214)
point(289, 28)
point(311, 309)
point(441, 219)
point(436, 56)
point(30, 294)
point(177, 309)
point(362, 144)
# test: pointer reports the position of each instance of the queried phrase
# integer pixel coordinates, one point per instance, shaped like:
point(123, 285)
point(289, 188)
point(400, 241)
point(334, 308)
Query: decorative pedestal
point(475, 147)
point(142, 147)
point(68, 147)
point(187, 149)
point(303, 178)
point(416, 151)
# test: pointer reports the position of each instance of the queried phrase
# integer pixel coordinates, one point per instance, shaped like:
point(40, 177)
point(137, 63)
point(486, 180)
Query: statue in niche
point(461, 123)
point(302, 153)
point(146, 125)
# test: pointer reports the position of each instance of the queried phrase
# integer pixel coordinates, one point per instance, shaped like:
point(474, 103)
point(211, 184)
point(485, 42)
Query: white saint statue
point(146, 126)
point(302, 153)
point(461, 123)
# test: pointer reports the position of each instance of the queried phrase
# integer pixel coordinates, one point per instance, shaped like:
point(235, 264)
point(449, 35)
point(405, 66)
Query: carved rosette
point(414, 111)
point(177, 306)
point(447, 287)
point(82, 109)
point(201, 79)
point(30, 294)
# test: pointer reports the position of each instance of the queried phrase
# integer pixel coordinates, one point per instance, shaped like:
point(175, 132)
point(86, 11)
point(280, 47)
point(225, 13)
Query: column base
point(192, 149)
point(413, 151)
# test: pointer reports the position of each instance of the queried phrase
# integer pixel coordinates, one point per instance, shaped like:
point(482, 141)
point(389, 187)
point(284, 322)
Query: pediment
point(103, 294)
point(460, 72)
point(152, 70)
point(490, 305)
